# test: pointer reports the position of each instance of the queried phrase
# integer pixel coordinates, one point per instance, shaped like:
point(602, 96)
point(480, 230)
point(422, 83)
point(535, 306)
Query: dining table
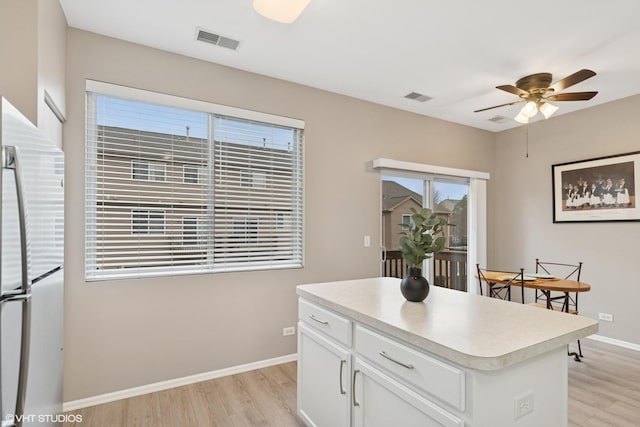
point(547, 285)
point(544, 283)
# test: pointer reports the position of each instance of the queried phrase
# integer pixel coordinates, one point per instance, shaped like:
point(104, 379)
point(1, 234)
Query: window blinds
point(257, 177)
point(174, 191)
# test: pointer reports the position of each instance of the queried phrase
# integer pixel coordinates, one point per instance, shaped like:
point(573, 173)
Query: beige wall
point(522, 189)
point(128, 333)
point(32, 53)
point(19, 55)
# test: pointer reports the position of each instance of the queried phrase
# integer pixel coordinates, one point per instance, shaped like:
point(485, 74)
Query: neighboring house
point(152, 201)
point(397, 202)
point(446, 206)
point(455, 212)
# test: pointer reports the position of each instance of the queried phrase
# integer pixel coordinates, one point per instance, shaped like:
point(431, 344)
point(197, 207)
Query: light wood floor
point(604, 391)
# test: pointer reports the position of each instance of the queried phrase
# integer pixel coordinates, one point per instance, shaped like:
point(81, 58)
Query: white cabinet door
point(323, 380)
point(380, 401)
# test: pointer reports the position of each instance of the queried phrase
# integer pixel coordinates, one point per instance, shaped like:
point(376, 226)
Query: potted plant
point(424, 238)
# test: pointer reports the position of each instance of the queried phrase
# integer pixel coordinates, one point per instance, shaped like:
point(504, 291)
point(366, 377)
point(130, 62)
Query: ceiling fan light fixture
point(547, 109)
point(529, 110)
point(521, 118)
point(284, 11)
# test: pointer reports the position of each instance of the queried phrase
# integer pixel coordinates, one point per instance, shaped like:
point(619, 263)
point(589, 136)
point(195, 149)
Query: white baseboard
point(177, 382)
point(616, 342)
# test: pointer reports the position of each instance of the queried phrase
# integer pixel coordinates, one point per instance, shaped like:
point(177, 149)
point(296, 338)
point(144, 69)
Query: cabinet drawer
point(332, 324)
point(426, 373)
point(384, 402)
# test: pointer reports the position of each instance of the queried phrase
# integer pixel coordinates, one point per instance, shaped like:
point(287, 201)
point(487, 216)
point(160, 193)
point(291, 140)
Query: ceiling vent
point(418, 97)
point(217, 39)
point(499, 119)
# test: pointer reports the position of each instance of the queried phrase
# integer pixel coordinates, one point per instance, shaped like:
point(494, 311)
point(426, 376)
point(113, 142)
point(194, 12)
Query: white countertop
point(471, 330)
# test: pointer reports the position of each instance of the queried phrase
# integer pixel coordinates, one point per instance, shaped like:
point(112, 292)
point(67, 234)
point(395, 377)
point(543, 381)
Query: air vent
point(218, 40)
point(499, 119)
point(418, 97)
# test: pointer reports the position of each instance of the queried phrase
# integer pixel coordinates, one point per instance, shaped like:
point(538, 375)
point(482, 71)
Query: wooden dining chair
point(562, 302)
point(501, 289)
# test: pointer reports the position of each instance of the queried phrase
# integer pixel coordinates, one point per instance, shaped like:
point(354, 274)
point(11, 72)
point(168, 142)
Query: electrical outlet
point(291, 330)
point(367, 241)
point(606, 317)
point(523, 404)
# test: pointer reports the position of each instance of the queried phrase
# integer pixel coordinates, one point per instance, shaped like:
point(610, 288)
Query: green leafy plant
point(424, 237)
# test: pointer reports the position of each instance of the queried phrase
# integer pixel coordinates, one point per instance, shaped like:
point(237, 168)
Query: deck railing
point(450, 268)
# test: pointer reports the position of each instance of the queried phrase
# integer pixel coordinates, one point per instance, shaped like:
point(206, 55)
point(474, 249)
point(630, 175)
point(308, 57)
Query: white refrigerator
point(31, 273)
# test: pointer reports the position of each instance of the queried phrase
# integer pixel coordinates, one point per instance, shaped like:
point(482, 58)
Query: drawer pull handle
point(312, 317)
point(353, 388)
point(342, 390)
point(404, 365)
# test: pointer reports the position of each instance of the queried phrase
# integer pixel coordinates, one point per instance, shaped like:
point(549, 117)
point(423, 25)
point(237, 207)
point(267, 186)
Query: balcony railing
point(450, 268)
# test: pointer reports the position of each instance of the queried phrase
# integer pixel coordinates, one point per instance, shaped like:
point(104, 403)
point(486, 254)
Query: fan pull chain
point(527, 140)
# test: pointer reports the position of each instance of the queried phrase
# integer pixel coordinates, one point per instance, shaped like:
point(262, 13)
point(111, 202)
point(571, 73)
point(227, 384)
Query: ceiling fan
point(536, 91)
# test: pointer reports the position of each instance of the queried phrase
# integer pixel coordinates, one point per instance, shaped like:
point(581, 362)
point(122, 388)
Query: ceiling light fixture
point(532, 107)
point(547, 109)
point(284, 11)
point(521, 118)
point(529, 110)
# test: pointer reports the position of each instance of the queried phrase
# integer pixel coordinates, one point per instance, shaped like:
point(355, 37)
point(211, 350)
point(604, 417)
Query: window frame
point(149, 174)
point(148, 230)
point(201, 222)
point(405, 226)
point(294, 253)
point(254, 179)
point(200, 173)
point(476, 203)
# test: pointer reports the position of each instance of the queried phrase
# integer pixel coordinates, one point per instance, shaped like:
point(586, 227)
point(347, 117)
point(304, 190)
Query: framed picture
point(602, 189)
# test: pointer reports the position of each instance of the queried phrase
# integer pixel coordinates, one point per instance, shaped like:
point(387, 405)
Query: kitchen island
point(367, 357)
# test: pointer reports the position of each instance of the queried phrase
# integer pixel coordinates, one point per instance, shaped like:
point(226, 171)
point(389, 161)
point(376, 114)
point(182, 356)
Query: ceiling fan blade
point(572, 96)
point(498, 106)
point(572, 80)
point(512, 89)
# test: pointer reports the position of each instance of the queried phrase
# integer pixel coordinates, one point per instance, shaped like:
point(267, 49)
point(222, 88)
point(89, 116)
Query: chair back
point(481, 277)
point(501, 289)
point(561, 270)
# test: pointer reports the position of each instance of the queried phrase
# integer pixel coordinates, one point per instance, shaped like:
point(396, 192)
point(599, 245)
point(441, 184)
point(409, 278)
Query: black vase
point(414, 287)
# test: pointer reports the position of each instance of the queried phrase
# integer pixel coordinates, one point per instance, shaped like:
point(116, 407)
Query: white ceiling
point(381, 50)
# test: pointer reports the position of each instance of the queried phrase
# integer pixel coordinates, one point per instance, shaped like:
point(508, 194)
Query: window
point(406, 221)
point(194, 230)
point(244, 214)
point(254, 179)
point(245, 230)
point(194, 174)
point(147, 221)
point(283, 220)
point(147, 171)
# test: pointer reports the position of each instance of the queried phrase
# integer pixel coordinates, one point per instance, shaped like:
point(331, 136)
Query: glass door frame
point(476, 206)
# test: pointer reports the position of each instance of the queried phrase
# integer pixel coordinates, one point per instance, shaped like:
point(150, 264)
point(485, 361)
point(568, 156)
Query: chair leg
point(580, 349)
point(575, 355)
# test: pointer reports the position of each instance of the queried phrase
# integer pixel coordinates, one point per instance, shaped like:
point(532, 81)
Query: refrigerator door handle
point(11, 160)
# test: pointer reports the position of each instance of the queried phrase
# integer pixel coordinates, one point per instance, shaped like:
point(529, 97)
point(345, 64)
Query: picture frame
point(599, 189)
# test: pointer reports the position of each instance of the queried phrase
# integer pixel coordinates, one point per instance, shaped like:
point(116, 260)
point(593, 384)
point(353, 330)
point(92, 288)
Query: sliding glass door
point(450, 200)
point(400, 194)
point(445, 196)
